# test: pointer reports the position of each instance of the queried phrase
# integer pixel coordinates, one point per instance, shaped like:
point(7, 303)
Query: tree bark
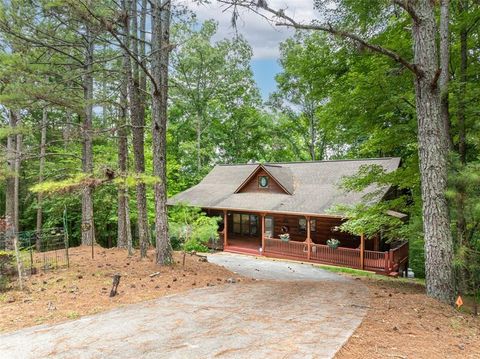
point(10, 182)
point(18, 163)
point(444, 78)
point(88, 229)
point(160, 57)
point(138, 132)
point(433, 156)
point(310, 113)
point(14, 151)
point(142, 53)
point(199, 143)
point(122, 241)
point(41, 170)
point(462, 147)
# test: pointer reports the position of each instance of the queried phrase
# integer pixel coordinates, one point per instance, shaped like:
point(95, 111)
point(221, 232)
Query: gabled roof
point(313, 187)
point(282, 175)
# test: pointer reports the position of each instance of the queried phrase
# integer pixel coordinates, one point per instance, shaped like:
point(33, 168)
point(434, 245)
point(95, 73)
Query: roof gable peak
point(285, 184)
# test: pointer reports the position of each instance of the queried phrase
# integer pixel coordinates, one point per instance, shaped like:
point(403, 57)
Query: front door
point(245, 225)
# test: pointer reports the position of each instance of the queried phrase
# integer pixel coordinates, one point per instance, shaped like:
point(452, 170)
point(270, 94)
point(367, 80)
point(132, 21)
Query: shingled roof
point(313, 187)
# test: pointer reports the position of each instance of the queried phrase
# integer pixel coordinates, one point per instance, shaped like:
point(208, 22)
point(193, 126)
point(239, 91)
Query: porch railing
point(348, 257)
point(398, 256)
point(291, 249)
point(385, 262)
point(375, 261)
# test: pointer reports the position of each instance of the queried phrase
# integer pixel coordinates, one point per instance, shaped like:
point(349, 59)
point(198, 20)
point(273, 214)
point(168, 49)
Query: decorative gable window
point(263, 181)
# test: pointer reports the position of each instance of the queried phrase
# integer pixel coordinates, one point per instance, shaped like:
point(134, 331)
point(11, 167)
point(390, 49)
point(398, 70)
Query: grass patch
point(368, 274)
point(351, 271)
point(73, 315)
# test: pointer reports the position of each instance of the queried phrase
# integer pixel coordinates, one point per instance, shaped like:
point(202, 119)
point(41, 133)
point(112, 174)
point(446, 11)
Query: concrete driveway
point(293, 311)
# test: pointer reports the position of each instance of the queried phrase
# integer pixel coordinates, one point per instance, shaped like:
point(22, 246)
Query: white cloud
point(262, 35)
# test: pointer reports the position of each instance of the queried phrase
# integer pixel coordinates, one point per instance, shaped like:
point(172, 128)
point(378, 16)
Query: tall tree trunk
point(88, 229)
point(10, 182)
point(128, 225)
point(462, 147)
point(433, 155)
point(311, 125)
point(138, 131)
point(41, 170)
point(18, 163)
point(160, 57)
point(122, 240)
point(199, 143)
point(142, 78)
point(444, 78)
point(67, 131)
point(142, 91)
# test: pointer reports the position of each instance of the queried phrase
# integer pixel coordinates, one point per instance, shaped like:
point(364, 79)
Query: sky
point(262, 36)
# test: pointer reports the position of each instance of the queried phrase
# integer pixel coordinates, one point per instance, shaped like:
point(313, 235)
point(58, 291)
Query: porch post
point(309, 239)
point(225, 229)
point(263, 233)
point(362, 251)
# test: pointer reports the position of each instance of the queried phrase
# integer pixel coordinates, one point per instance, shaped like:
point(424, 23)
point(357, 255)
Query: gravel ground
point(293, 311)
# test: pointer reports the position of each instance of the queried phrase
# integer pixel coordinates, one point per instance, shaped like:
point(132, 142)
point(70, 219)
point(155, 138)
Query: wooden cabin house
point(282, 210)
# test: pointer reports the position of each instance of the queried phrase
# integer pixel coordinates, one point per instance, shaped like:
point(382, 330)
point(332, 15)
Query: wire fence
point(37, 250)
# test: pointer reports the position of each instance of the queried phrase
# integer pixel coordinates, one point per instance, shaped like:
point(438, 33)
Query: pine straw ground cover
point(84, 288)
point(402, 322)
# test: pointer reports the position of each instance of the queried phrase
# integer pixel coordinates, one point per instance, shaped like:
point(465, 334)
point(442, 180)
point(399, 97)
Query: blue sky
point(264, 71)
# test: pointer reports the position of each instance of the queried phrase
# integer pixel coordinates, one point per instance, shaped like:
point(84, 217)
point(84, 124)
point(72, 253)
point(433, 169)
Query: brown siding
point(252, 184)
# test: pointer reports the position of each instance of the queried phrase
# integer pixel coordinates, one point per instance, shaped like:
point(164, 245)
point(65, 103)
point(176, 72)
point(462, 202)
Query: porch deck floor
point(244, 245)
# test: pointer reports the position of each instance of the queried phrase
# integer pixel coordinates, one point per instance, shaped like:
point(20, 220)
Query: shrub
point(190, 229)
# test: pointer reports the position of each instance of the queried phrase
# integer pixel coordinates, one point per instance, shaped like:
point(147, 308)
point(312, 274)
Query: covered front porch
point(258, 233)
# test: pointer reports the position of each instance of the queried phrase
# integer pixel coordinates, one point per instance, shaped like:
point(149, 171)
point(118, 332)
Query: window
point(302, 225)
point(269, 227)
point(245, 224)
point(253, 225)
point(236, 223)
point(263, 181)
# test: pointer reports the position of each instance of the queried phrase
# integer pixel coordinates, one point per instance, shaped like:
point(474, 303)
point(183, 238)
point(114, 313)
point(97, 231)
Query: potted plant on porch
point(333, 243)
point(285, 237)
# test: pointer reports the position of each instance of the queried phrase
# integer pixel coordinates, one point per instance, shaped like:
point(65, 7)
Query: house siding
point(252, 184)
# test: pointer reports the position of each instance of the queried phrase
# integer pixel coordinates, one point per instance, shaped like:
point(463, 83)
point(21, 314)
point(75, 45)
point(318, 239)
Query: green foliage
point(371, 220)
point(191, 228)
point(467, 256)
point(65, 185)
point(7, 266)
point(214, 99)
